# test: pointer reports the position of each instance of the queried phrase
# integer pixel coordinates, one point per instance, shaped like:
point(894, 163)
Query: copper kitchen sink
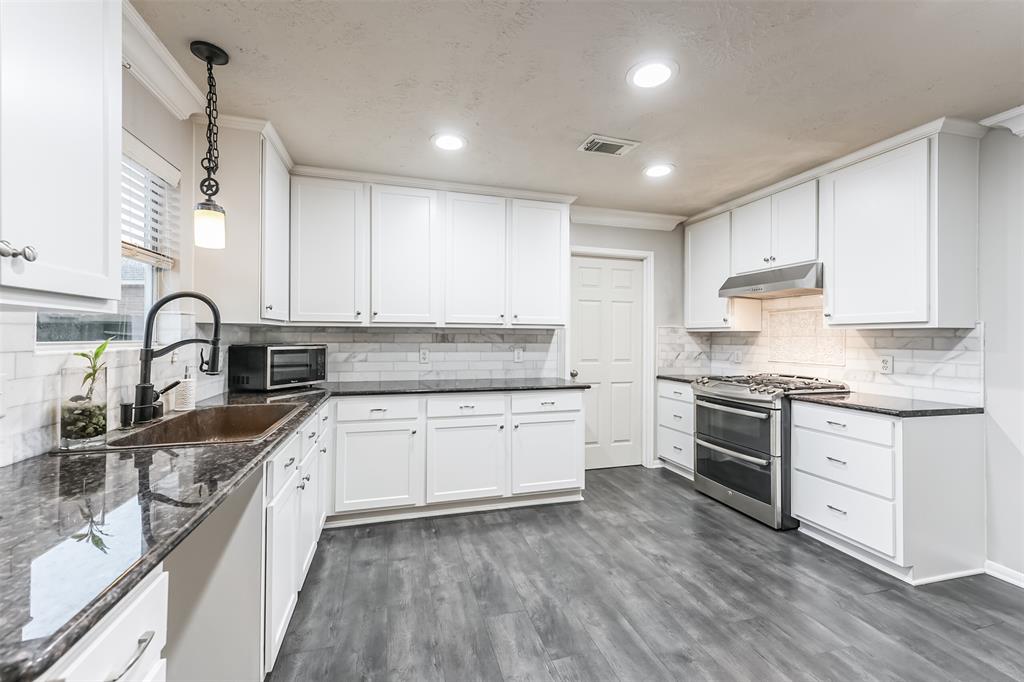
point(207, 425)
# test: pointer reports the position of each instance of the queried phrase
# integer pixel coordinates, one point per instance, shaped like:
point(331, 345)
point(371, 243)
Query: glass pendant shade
point(208, 224)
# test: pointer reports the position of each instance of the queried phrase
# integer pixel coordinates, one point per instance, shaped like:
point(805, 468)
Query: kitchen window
point(150, 214)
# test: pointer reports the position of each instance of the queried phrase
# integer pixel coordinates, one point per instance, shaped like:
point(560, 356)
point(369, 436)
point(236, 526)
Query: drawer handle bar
point(467, 407)
point(289, 463)
point(140, 649)
point(837, 461)
point(678, 416)
point(732, 410)
point(836, 509)
point(378, 409)
point(676, 447)
point(547, 402)
point(836, 424)
point(731, 453)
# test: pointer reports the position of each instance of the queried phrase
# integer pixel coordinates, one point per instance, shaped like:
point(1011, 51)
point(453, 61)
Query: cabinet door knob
point(7, 250)
point(501, 315)
point(358, 313)
point(413, 432)
point(828, 314)
point(725, 319)
point(773, 259)
point(765, 259)
point(501, 427)
point(515, 317)
point(375, 313)
point(323, 451)
point(573, 374)
point(269, 306)
point(515, 426)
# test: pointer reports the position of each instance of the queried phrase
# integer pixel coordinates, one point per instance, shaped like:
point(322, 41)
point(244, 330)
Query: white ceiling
point(764, 90)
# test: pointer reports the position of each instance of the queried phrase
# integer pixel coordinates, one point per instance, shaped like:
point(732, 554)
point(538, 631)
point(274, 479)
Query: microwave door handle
point(732, 453)
point(732, 410)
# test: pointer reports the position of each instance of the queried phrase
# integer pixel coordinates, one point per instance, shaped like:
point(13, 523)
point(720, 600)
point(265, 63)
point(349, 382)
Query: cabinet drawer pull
point(836, 509)
point(324, 418)
point(677, 392)
point(306, 477)
point(676, 447)
point(467, 407)
point(290, 462)
point(301, 486)
point(323, 451)
point(838, 425)
point(378, 409)
point(140, 648)
point(312, 434)
point(837, 461)
point(677, 416)
point(547, 402)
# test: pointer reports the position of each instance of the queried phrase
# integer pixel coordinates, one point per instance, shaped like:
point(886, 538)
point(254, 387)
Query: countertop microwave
point(269, 366)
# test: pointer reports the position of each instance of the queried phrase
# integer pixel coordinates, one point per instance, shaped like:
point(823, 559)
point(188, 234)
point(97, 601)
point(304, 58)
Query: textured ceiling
point(764, 90)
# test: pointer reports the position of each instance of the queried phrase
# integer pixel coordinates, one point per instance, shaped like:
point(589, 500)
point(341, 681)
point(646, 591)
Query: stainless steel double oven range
point(741, 441)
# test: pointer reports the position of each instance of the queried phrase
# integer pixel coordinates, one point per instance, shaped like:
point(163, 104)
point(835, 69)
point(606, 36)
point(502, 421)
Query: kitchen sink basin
point(206, 425)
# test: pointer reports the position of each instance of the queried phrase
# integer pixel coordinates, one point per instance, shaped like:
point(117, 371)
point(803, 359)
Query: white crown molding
point(1012, 119)
point(613, 217)
point(256, 125)
point(149, 61)
point(952, 126)
point(423, 183)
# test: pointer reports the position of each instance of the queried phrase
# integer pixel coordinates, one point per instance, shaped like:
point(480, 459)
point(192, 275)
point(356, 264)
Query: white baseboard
point(1003, 573)
point(360, 518)
point(676, 469)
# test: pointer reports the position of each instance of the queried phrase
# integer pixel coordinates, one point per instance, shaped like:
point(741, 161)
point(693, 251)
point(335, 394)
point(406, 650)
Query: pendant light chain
point(210, 163)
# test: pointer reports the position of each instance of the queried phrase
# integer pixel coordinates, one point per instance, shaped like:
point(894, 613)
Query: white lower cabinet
point(467, 458)
point(547, 452)
point(905, 495)
point(675, 424)
point(126, 644)
point(309, 511)
point(378, 465)
point(282, 564)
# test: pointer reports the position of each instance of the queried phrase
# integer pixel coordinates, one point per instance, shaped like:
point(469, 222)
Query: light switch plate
point(424, 356)
point(885, 364)
point(517, 354)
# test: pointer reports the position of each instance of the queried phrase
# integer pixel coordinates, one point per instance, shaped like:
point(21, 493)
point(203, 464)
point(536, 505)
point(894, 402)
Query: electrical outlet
point(885, 364)
point(517, 354)
point(424, 356)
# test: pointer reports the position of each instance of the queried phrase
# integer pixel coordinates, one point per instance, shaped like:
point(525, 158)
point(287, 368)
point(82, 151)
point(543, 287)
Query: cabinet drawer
point(676, 447)
point(860, 465)
point(852, 514)
point(308, 433)
point(675, 390)
point(323, 417)
point(284, 462)
point(849, 423)
point(371, 409)
point(675, 414)
point(466, 405)
point(548, 401)
point(140, 626)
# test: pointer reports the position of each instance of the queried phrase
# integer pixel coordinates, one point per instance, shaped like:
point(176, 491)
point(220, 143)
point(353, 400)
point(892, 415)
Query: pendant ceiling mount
point(209, 52)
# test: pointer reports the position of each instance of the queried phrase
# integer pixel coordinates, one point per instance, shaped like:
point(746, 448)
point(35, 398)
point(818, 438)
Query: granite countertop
point(682, 378)
point(354, 388)
point(888, 405)
point(79, 531)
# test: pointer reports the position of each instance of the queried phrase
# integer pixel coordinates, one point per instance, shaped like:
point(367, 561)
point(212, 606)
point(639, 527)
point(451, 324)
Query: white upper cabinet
point(330, 252)
point(60, 131)
point(795, 225)
point(777, 230)
point(275, 234)
point(706, 269)
point(406, 255)
point(539, 245)
point(899, 236)
point(752, 236)
point(475, 291)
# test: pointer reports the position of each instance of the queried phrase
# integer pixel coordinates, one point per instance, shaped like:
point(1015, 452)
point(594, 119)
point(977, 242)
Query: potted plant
point(83, 413)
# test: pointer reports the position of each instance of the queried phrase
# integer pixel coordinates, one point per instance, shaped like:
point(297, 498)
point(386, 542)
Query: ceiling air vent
point(613, 146)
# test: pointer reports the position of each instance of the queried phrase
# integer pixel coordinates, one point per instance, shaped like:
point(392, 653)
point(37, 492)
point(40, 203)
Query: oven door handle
point(733, 453)
point(733, 410)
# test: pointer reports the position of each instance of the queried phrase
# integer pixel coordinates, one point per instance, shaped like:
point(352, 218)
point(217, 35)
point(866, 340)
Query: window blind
point(149, 216)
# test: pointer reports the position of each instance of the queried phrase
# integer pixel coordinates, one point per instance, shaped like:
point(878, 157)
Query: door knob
point(7, 250)
point(573, 374)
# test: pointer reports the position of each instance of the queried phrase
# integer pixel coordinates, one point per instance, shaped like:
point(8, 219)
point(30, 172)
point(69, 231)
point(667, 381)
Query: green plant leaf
point(100, 349)
point(87, 356)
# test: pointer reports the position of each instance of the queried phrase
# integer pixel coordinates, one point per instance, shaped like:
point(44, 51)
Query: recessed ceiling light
point(448, 142)
point(651, 74)
point(659, 170)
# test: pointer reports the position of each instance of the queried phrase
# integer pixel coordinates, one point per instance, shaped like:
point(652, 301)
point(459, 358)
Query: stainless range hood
point(792, 280)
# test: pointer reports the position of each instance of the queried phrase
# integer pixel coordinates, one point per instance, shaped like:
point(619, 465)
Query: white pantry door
point(607, 313)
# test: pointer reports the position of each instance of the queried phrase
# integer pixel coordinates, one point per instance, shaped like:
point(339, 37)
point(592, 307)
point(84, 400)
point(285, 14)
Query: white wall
point(668, 261)
point(1002, 309)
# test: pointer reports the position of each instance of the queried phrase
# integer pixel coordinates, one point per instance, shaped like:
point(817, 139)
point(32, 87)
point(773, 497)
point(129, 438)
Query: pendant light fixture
point(208, 217)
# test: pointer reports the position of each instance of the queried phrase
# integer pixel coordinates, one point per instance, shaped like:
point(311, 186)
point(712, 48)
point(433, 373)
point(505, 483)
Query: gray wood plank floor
point(645, 580)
